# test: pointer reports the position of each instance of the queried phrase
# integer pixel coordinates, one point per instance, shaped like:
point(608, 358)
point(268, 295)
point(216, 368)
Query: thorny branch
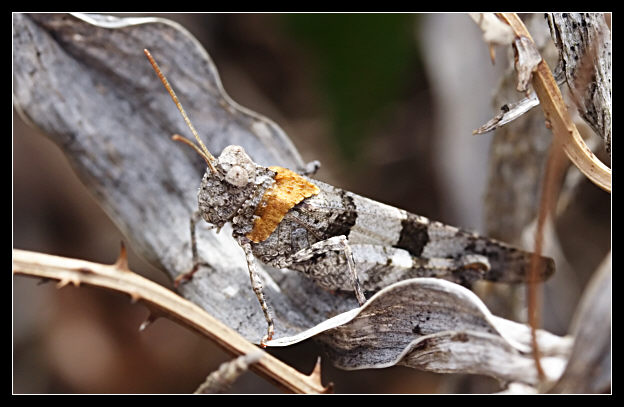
point(161, 301)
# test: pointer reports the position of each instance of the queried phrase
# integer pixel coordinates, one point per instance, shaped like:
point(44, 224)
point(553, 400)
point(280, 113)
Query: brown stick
point(557, 114)
point(120, 278)
point(551, 184)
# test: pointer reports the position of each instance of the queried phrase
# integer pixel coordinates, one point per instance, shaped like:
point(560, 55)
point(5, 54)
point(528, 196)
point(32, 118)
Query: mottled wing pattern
point(390, 243)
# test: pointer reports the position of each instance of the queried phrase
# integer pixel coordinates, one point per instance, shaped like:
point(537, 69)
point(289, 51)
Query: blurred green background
point(365, 62)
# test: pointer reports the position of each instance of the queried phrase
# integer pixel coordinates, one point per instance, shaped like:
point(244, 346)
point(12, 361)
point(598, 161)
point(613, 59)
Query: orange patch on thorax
point(288, 190)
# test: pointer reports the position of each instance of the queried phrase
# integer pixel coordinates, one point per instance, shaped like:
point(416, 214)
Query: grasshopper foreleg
point(184, 277)
point(256, 285)
point(311, 168)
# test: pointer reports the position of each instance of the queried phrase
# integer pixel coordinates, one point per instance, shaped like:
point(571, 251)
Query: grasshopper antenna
point(204, 153)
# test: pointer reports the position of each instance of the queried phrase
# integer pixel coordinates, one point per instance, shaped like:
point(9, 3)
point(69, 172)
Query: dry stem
point(557, 115)
point(118, 277)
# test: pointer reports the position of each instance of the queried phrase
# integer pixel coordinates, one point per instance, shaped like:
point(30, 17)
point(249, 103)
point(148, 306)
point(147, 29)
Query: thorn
point(316, 372)
point(492, 53)
point(134, 297)
point(122, 260)
point(66, 281)
point(315, 376)
point(150, 318)
point(62, 283)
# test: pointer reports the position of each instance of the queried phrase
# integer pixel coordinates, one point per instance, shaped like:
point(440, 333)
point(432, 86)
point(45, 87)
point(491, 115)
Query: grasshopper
point(341, 240)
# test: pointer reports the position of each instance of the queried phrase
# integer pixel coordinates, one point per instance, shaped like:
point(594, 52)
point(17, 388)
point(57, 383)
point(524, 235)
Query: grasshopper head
point(233, 190)
point(233, 184)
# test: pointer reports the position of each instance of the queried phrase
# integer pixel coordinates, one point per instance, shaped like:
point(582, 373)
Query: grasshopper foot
point(188, 276)
point(267, 337)
point(184, 277)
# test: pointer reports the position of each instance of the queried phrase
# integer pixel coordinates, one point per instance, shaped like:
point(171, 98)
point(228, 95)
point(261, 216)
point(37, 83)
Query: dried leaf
point(436, 325)
point(527, 59)
point(514, 110)
point(509, 112)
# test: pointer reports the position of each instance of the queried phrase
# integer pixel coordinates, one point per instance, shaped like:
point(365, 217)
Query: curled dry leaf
point(85, 82)
point(435, 325)
point(514, 110)
point(509, 112)
point(527, 58)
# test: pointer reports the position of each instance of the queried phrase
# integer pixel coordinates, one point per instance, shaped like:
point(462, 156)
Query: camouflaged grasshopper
point(339, 239)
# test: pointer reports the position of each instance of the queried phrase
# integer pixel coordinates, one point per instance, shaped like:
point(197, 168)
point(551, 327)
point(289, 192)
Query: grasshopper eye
point(237, 176)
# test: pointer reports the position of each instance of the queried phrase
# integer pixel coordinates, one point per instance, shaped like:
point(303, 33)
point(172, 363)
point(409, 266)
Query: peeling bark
point(584, 43)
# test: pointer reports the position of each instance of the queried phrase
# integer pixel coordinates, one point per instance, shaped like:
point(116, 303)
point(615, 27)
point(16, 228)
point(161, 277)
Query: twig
point(557, 114)
point(120, 278)
point(222, 378)
point(553, 175)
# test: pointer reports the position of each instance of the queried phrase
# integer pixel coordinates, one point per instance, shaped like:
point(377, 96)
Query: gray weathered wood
point(584, 43)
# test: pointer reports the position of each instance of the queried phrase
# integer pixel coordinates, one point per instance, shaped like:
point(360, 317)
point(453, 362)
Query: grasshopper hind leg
point(380, 266)
point(355, 281)
point(327, 258)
